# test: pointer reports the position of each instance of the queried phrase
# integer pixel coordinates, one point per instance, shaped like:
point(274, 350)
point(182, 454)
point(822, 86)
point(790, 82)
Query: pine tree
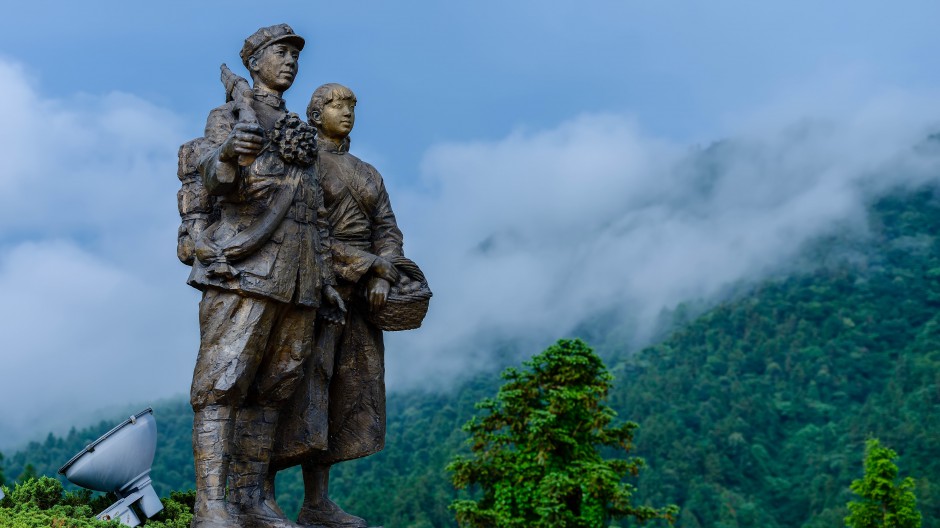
point(883, 503)
point(29, 472)
point(535, 451)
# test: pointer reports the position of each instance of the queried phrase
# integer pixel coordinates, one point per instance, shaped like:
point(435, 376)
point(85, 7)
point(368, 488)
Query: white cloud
point(89, 162)
point(93, 309)
point(81, 333)
point(527, 236)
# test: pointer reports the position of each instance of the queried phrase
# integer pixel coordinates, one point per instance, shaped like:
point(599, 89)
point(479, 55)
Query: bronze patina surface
point(342, 401)
point(261, 258)
point(293, 242)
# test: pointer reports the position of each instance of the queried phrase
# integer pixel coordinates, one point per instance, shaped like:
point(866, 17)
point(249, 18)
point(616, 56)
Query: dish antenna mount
point(119, 462)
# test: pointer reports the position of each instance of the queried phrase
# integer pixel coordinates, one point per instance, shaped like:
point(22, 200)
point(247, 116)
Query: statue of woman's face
point(337, 118)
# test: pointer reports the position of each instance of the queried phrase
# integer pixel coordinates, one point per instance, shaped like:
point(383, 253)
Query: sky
point(547, 162)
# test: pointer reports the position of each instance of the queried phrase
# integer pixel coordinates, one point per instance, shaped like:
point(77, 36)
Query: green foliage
point(535, 451)
point(29, 472)
point(883, 503)
point(177, 511)
point(755, 413)
point(43, 503)
point(43, 493)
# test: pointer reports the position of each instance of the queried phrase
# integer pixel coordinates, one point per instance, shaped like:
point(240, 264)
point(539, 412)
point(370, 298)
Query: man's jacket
point(271, 239)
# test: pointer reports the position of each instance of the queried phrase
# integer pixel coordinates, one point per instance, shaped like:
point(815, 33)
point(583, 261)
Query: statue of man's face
point(337, 118)
point(276, 66)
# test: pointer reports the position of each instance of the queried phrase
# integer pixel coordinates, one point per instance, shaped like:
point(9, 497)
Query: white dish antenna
point(119, 462)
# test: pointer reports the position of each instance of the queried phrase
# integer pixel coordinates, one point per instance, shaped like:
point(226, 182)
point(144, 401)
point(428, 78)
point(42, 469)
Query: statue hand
point(383, 268)
point(332, 296)
point(377, 293)
point(206, 250)
point(333, 310)
point(244, 140)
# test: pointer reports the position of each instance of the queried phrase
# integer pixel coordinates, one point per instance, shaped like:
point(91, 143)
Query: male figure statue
point(262, 268)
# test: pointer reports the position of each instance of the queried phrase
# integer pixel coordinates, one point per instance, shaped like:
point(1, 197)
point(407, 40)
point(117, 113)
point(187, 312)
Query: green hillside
point(753, 415)
point(756, 414)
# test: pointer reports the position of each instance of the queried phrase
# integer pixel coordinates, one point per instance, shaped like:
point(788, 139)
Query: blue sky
point(538, 155)
point(433, 71)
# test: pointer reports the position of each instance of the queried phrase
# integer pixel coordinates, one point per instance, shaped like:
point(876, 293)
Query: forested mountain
point(754, 414)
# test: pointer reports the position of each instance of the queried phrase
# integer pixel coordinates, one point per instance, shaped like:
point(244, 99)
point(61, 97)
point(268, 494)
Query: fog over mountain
point(522, 237)
point(545, 228)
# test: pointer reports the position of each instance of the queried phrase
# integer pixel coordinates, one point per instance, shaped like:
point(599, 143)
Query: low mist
point(527, 237)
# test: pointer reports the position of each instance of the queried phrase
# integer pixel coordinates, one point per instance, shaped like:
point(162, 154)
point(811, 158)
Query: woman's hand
point(377, 293)
point(383, 268)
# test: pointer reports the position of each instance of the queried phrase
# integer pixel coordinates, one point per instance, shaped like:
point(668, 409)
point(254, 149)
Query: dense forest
point(754, 414)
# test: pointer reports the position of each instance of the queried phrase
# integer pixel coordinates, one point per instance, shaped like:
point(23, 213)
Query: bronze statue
point(339, 411)
point(275, 215)
point(262, 264)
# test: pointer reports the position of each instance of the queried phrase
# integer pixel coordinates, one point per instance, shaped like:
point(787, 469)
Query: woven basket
point(404, 312)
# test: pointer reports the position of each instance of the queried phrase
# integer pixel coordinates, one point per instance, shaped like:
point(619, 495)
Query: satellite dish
point(119, 462)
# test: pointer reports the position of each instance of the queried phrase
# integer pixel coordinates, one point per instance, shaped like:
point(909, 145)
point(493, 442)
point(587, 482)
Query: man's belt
point(302, 213)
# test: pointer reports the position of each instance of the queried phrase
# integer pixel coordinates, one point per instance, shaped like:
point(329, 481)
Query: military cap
point(266, 36)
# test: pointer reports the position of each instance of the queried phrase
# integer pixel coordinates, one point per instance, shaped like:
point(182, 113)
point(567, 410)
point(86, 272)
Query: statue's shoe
point(262, 515)
point(329, 515)
point(215, 515)
point(215, 523)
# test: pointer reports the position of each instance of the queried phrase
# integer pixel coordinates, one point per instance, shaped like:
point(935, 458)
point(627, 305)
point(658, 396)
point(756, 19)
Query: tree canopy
point(535, 451)
point(882, 503)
